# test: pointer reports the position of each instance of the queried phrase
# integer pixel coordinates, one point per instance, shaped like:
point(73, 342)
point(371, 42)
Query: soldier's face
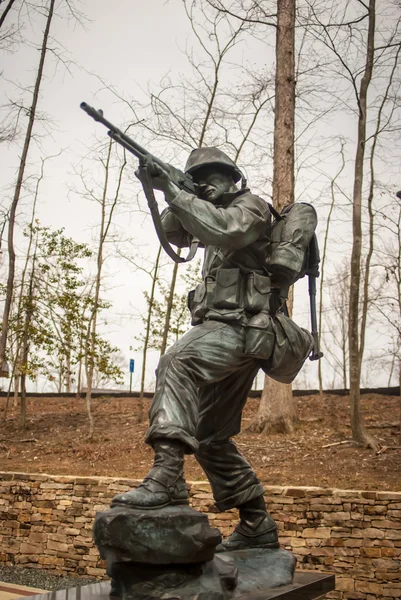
point(213, 184)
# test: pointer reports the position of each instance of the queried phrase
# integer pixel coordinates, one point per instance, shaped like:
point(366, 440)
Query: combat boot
point(164, 485)
point(256, 529)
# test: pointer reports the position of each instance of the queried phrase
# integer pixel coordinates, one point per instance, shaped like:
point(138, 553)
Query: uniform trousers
point(203, 382)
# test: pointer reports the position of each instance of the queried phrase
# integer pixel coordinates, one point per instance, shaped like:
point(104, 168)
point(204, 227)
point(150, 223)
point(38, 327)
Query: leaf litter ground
point(317, 453)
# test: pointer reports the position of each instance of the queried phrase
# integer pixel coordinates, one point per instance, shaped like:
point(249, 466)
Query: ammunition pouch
point(200, 300)
point(231, 290)
point(228, 291)
point(260, 336)
point(260, 295)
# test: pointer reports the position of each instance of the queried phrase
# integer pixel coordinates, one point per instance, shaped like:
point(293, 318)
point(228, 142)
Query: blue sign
point(131, 365)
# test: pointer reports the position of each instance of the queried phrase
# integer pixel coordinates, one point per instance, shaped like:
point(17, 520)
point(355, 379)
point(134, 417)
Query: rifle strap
point(274, 212)
point(154, 211)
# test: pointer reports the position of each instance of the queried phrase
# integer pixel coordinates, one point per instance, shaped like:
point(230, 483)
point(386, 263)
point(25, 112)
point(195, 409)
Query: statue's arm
point(175, 232)
point(234, 227)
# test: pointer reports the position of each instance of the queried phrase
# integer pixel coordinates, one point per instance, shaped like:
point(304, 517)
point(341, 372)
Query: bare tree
point(336, 323)
point(17, 192)
point(169, 306)
point(323, 263)
point(202, 109)
point(47, 9)
point(276, 410)
point(215, 118)
point(359, 432)
point(154, 273)
point(388, 300)
point(107, 208)
point(5, 12)
point(9, 29)
point(358, 69)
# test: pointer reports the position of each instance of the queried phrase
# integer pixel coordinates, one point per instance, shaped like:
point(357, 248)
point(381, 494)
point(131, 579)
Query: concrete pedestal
point(307, 585)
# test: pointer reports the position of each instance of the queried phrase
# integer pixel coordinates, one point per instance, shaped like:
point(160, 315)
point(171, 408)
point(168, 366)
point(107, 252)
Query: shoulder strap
point(273, 211)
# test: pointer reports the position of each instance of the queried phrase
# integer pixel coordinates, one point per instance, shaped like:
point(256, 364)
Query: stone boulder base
point(169, 554)
point(172, 535)
point(228, 576)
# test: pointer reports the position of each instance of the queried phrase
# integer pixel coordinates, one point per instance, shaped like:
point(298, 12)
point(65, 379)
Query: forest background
point(178, 75)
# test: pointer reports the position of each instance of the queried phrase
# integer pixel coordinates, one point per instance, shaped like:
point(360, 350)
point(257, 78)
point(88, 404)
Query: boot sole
point(156, 507)
point(272, 546)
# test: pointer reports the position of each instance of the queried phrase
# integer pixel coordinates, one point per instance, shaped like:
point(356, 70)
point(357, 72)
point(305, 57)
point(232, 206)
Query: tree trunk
point(169, 306)
point(105, 224)
point(18, 187)
point(23, 402)
point(16, 389)
point(79, 378)
point(5, 12)
point(91, 341)
point(25, 339)
point(284, 110)
point(68, 371)
point(399, 383)
point(275, 414)
point(25, 356)
point(359, 433)
point(276, 409)
point(5, 412)
point(344, 355)
point(146, 340)
point(60, 379)
point(323, 263)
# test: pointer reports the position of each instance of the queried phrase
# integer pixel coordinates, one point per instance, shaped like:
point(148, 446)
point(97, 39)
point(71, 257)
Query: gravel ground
point(42, 579)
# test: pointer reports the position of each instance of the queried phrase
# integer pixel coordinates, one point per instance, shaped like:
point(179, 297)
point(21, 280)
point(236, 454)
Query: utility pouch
point(259, 295)
point(292, 347)
point(227, 293)
point(259, 337)
point(201, 299)
point(290, 239)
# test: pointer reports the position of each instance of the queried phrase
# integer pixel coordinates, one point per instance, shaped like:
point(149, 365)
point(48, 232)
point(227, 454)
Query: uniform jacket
point(236, 284)
point(235, 235)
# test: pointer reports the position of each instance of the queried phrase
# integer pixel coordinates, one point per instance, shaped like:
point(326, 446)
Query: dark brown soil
point(56, 442)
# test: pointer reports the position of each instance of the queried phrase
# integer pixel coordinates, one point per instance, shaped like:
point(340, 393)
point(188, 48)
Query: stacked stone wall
point(46, 522)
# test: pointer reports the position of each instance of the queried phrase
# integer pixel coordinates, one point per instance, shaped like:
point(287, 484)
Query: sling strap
point(157, 222)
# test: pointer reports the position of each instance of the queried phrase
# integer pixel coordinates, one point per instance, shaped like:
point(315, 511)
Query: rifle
point(316, 352)
point(146, 160)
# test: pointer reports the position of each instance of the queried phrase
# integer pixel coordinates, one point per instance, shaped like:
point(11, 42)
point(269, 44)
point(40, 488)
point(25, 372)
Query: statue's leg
point(205, 355)
point(233, 482)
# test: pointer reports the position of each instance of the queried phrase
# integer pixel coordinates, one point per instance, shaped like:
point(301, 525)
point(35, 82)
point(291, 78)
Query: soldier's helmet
point(211, 157)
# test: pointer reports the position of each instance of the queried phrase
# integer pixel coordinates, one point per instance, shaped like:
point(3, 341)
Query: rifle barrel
point(123, 138)
point(316, 353)
point(183, 180)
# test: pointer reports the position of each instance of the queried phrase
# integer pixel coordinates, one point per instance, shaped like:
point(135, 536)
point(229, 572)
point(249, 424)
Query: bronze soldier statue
point(204, 379)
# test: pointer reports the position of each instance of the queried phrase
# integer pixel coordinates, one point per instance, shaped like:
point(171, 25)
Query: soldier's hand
point(159, 177)
point(160, 180)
